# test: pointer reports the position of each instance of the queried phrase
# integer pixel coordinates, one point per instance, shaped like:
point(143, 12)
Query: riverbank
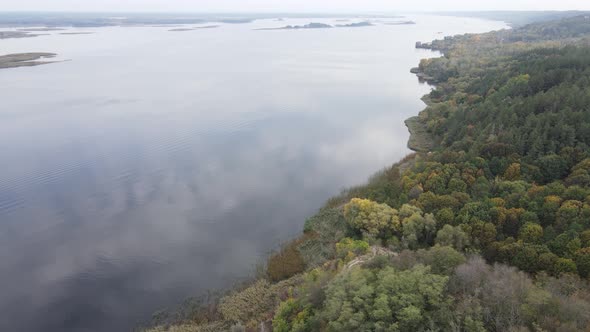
point(420, 139)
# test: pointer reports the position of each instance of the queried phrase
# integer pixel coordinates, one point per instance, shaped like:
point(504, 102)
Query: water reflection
point(158, 164)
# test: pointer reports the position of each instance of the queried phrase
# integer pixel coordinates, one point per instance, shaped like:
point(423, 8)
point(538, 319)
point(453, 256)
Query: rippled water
point(152, 165)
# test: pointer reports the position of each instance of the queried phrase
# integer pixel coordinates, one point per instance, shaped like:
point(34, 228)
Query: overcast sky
point(291, 5)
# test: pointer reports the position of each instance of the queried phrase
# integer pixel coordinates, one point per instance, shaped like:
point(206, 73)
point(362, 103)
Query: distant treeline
point(519, 18)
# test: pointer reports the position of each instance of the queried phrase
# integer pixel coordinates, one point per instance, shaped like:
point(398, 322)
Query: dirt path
point(375, 251)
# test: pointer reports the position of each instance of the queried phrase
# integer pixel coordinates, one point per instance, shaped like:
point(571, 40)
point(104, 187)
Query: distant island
point(299, 27)
point(16, 34)
point(57, 20)
point(76, 33)
point(400, 23)
point(40, 29)
point(355, 25)
point(27, 33)
point(194, 28)
point(321, 26)
point(24, 59)
point(236, 20)
point(208, 27)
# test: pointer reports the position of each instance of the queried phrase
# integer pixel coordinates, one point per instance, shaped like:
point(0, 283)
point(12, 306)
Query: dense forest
point(486, 230)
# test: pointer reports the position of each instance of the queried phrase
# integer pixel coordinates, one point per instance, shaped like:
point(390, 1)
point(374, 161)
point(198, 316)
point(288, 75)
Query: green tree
point(453, 237)
point(363, 300)
point(531, 233)
point(585, 238)
point(442, 260)
point(292, 316)
point(565, 265)
point(583, 262)
point(417, 228)
point(481, 233)
point(553, 167)
point(445, 216)
point(568, 213)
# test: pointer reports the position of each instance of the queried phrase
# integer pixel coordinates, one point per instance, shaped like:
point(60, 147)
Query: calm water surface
point(152, 165)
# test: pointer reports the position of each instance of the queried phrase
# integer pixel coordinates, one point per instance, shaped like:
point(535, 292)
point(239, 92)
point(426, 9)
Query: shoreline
point(420, 140)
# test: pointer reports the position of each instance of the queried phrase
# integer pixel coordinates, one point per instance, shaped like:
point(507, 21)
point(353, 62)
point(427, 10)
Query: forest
point(488, 230)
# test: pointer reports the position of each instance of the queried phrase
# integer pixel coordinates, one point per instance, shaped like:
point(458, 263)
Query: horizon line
point(352, 12)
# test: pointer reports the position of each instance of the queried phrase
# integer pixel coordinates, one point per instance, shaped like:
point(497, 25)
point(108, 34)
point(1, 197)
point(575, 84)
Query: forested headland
point(486, 229)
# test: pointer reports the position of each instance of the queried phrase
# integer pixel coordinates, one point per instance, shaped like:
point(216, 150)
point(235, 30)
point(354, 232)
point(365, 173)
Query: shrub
point(249, 305)
point(286, 263)
point(348, 247)
point(292, 316)
point(322, 232)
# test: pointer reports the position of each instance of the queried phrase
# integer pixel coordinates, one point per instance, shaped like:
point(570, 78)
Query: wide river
point(153, 165)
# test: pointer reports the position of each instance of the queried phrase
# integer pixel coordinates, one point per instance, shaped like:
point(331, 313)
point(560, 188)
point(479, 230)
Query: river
point(151, 165)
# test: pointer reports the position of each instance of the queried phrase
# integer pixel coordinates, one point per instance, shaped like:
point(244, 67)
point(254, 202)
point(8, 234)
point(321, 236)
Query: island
point(300, 27)
point(40, 29)
point(24, 60)
point(400, 23)
point(76, 33)
point(16, 34)
point(79, 19)
point(207, 27)
point(236, 20)
point(321, 26)
point(194, 28)
point(181, 29)
point(355, 25)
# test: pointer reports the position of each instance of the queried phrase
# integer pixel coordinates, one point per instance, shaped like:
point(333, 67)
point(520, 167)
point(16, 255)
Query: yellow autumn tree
point(371, 217)
point(512, 173)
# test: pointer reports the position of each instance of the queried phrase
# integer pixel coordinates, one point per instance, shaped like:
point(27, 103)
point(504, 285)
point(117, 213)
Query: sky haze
point(289, 5)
